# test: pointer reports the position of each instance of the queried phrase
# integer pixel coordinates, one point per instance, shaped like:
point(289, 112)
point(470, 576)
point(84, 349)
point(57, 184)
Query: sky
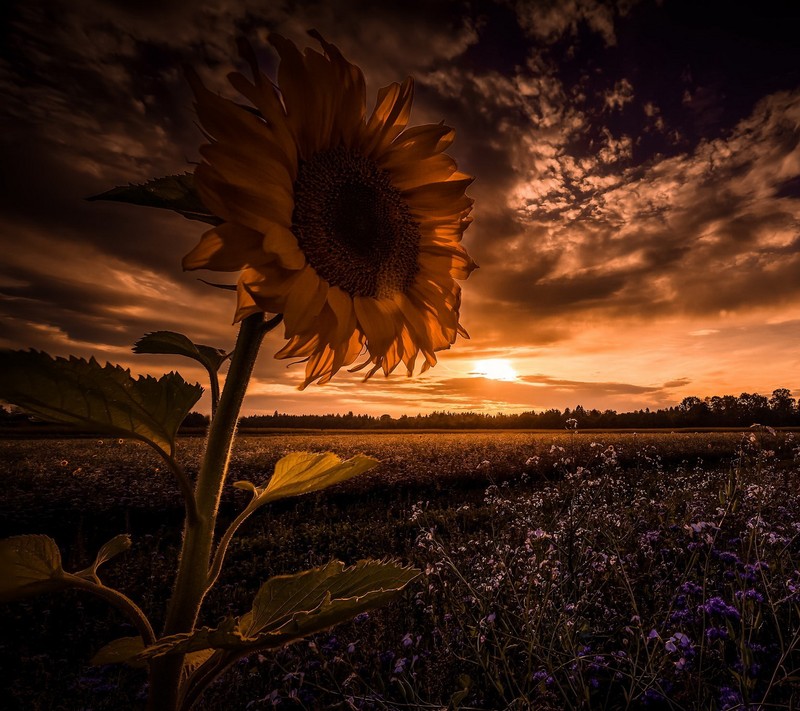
point(637, 191)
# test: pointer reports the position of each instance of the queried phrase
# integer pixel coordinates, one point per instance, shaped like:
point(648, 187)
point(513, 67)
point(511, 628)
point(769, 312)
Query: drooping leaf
point(118, 544)
point(303, 472)
point(106, 398)
point(323, 596)
point(290, 607)
point(29, 565)
point(121, 651)
point(176, 343)
point(173, 192)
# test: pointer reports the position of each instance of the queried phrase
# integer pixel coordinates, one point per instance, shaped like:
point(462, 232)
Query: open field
point(586, 570)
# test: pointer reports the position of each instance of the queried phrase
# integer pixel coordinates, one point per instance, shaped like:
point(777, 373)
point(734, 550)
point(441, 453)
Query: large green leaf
point(106, 398)
point(173, 192)
point(118, 544)
point(303, 472)
point(176, 343)
point(315, 599)
point(290, 607)
point(29, 565)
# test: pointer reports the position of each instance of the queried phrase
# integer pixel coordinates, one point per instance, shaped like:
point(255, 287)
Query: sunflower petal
point(417, 143)
point(304, 301)
point(389, 118)
point(352, 91)
point(282, 242)
point(226, 248)
point(237, 204)
point(377, 318)
point(341, 305)
point(245, 304)
point(412, 174)
point(300, 95)
point(248, 168)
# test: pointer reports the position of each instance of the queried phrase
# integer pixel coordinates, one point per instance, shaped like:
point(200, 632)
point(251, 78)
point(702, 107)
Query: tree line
point(779, 410)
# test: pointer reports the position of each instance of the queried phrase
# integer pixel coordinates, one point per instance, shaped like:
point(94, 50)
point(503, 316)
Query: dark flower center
point(353, 225)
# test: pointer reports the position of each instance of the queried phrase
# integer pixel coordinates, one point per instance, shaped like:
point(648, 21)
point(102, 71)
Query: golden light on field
point(495, 369)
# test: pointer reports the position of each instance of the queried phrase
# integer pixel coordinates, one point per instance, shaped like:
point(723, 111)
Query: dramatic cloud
point(637, 217)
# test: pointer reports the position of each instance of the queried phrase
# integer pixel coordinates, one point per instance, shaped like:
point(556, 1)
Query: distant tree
point(754, 408)
point(694, 411)
point(195, 419)
point(782, 406)
point(689, 403)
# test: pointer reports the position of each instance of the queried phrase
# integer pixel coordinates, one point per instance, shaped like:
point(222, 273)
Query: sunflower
point(349, 225)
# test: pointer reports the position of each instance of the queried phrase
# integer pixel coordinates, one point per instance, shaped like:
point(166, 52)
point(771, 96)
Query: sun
point(495, 369)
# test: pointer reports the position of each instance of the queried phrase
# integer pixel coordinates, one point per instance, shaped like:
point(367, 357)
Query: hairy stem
point(191, 582)
point(214, 381)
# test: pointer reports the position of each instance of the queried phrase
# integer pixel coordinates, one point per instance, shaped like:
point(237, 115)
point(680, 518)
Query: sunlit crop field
point(560, 570)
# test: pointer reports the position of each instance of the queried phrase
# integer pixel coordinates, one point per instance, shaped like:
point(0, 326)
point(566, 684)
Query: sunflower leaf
point(311, 601)
point(170, 342)
point(288, 608)
point(85, 394)
point(118, 544)
point(303, 472)
point(173, 192)
point(29, 565)
point(121, 651)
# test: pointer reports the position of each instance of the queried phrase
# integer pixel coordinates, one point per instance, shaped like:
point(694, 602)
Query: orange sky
point(637, 228)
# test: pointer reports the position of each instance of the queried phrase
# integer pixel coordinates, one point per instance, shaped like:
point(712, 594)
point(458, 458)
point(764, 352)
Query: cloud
point(538, 392)
point(619, 95)
point(573, 386)
point(605, 203)
point(549, 21)
point(697, 233)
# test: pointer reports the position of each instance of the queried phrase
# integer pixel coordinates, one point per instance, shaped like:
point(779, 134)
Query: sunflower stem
point(214, 381)
point(191, 584)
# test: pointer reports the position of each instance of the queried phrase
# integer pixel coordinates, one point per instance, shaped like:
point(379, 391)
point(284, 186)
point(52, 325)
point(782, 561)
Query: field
point(560, 570)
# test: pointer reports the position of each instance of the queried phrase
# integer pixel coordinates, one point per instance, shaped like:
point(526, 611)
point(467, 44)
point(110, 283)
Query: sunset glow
point(495, 369)
point(637, 194)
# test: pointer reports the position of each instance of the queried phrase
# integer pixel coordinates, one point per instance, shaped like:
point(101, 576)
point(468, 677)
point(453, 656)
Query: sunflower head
point(348, 224)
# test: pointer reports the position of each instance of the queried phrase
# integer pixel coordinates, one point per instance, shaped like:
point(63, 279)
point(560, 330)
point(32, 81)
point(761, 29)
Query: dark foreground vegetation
point(566, 570)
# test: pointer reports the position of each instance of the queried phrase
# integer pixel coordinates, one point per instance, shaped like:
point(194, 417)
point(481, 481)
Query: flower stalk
point(192, 580)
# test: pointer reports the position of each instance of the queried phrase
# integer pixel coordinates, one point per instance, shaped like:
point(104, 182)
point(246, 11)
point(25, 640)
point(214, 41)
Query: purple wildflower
point(749, 595)
point(717, 606)
point(729, 698)
point(713, 633)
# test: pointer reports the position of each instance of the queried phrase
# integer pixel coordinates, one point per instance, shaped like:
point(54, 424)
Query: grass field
point(561, 570)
